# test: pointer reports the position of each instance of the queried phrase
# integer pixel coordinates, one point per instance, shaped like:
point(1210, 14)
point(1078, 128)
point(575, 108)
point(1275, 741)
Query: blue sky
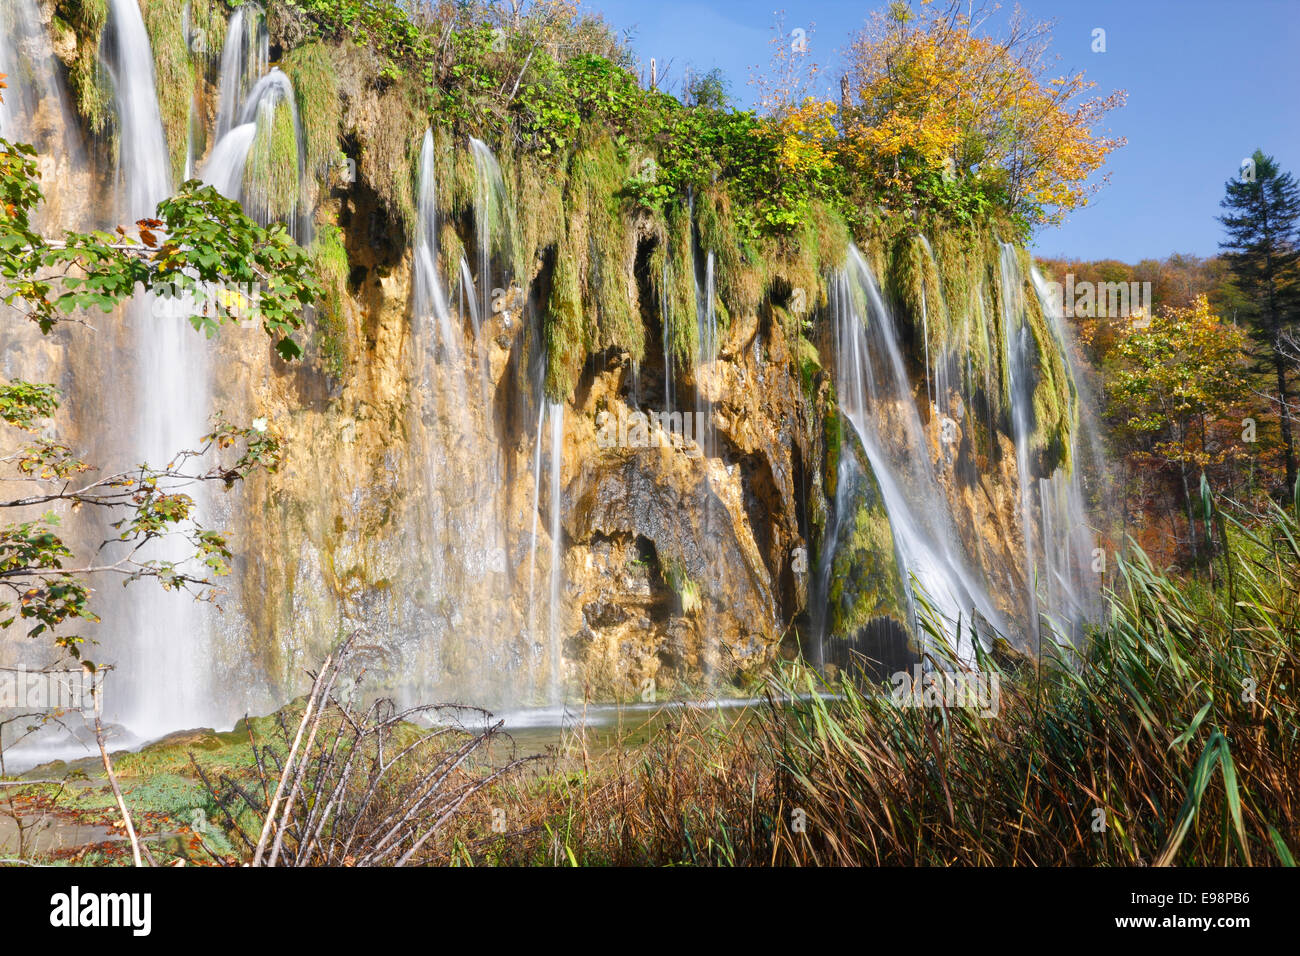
point(1207, 83)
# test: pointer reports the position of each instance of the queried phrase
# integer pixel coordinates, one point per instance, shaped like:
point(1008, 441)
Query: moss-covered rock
point(865, 583)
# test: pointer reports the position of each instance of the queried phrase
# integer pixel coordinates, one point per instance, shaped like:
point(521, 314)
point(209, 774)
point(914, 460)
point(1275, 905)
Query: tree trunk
point(1288, 442)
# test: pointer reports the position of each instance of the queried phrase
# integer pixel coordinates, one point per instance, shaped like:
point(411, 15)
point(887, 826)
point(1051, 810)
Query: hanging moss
point(684, 586)
point(180, 59)
point(173, 75)
point(451, 250)
point(673, 279)
point(865, 582)
point(739, 285)
point(330, 256)
point(271, 179)
point(92, 96)
point(539, 189)
point(797, 266)
point(566, 331)
point(312, 73)
point(1055, 405)
point(390, 157)
point(604, 246)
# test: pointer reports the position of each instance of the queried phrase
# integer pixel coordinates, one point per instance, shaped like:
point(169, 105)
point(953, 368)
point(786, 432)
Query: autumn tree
point(934, 104)
point(1177, 392)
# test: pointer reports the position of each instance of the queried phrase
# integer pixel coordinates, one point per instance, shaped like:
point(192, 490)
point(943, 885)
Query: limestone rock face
point(492, 547)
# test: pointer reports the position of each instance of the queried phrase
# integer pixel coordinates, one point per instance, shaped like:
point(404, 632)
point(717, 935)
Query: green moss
point(315, 87)
point(271, 180)
point(865, 580)
point(179, 61)
point(540, 212)
point(331, 260)
point(810, 364)
point(1055, 405)
point(566, 331)
point(604, 245)
point(390, 158)
point(803, 260)
point(673, 279)
point(685, 587)
point(452, 250)
point(173, 75)
point(92, 96)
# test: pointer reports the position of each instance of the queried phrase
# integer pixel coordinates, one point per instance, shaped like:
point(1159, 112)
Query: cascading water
point(555, 411)
point(35, 107)
point(875, 396)
point(1021, 400)
point(245, 59)
point(1058, 541)
point(246, 163)
point(464, 519)
point(1073, 594)
point(163, 638)
point(36, 110)
point(490, 205)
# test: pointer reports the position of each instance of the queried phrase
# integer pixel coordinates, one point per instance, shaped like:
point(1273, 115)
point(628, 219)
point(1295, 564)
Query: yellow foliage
point(931, 94)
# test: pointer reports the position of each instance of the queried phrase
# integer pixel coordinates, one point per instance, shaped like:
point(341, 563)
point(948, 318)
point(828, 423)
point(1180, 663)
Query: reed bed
point(1168, 738)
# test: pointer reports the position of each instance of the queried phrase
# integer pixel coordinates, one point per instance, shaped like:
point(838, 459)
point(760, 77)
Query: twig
point(117, 792)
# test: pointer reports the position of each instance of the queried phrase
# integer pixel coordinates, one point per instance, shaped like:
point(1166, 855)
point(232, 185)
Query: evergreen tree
point(1263, 207)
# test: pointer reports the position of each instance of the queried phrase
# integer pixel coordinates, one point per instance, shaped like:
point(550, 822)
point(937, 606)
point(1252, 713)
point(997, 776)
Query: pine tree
point(1263, 206)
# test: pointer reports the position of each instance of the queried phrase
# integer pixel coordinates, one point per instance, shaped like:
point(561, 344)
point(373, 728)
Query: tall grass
point(1169, 739)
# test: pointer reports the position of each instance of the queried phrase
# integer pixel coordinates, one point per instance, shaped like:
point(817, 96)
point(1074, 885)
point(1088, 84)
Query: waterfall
point(245, 58)
point(489, 218)
point(1020, 395)
point(706, 352)
point(430, 300)
point(464, 521)
point(1074, 596)
point(36, 110)
point(666, 334)
point(556, 414)
point(875, 396)
point(1058, 541)
point(225, 167)
point(532, 545)
point(164, 637)
point(246, 163)
point(35, 107)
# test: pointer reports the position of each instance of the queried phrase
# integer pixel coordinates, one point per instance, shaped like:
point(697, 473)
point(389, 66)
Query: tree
point(199, 241)
point(1263, 209)
point(931, 100)
point(1176, 379)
